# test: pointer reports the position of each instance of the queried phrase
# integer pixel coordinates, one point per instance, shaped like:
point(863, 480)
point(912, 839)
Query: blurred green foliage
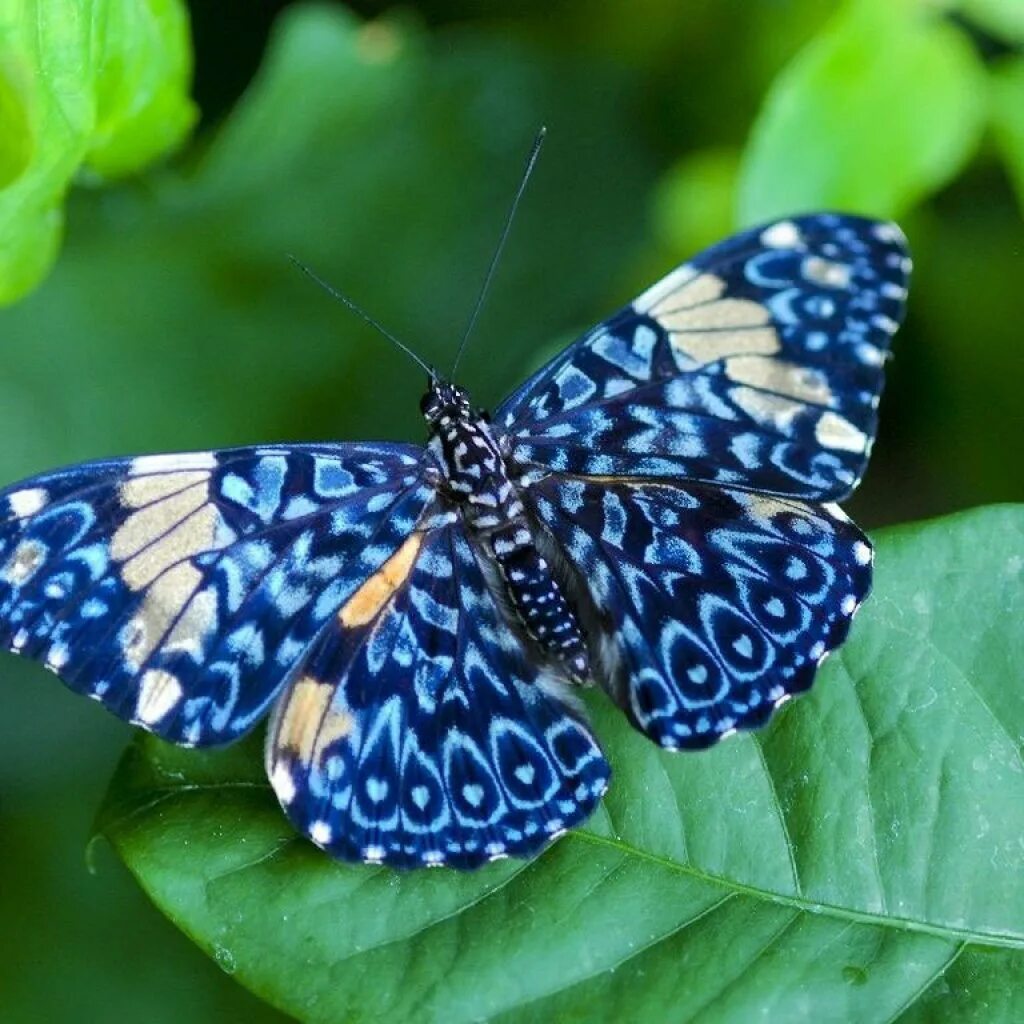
point(1008, 119)
point(1003, 18)
point(91, 87)
point(384, 154)
point(880, 110)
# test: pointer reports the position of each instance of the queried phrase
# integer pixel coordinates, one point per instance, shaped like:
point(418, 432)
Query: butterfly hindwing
point(758, 364)
point(180, 590)
point(718, 603)
point(418, 731)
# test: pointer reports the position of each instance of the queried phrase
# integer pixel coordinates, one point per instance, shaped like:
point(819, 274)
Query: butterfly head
point(444, 401)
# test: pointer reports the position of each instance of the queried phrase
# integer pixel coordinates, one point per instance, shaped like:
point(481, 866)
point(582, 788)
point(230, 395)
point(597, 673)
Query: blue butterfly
point(653, 510)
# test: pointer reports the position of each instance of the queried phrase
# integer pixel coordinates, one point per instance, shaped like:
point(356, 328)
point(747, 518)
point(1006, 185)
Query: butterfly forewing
point(756, 365)
point(179, 590)
point(418, 731)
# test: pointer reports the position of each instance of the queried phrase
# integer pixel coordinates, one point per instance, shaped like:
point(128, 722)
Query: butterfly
point(653, 510)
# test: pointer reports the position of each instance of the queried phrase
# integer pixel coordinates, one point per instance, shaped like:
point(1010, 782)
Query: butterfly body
point(653, 510)
point(477, 477)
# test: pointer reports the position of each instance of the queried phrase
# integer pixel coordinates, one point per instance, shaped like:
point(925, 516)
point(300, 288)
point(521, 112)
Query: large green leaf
point(100, 85)
point(876, 113)
point(859, 860)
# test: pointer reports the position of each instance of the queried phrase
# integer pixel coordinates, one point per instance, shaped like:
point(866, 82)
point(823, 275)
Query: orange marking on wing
point(366, 603)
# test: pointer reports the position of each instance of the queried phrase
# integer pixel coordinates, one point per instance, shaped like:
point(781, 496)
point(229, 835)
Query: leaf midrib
point(800, 903)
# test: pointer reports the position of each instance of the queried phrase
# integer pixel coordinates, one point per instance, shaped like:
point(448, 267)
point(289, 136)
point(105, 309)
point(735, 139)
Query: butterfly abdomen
point(537, 599)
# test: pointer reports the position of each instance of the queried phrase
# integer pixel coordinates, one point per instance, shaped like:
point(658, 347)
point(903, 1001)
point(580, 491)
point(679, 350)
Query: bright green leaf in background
point(99, 85)
point(694, 203)
point(831, 868)
point(1003, 18)
point(1008, 119)
point(880, 110)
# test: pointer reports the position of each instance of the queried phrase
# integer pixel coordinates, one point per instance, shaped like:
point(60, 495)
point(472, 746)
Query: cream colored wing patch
point(833, 431)
point(171, 521)
point(23, 563)
point(305, 724)
point(704, 327)
point(159, 694)
point(789, 380)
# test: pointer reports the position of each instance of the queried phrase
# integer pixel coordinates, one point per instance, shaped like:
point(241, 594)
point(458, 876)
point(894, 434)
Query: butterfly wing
point(717, 603)
point(418, 731)
point(181, 590)
point(758, 365)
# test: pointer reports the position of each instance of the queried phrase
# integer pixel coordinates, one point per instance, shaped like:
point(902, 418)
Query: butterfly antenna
point(361, 313)
point(528, 170)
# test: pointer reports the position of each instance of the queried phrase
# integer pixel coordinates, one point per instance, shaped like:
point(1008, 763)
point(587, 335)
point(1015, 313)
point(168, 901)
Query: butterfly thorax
point(477, 479)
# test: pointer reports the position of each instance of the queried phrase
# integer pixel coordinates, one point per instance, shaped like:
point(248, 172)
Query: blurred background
point(382, 145)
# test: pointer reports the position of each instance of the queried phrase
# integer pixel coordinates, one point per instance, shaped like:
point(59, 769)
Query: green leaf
point(693, 205)
point(99, 86)
point(1008, 120)
point(1003, 18)
point(880, 110)
point(859, 860)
